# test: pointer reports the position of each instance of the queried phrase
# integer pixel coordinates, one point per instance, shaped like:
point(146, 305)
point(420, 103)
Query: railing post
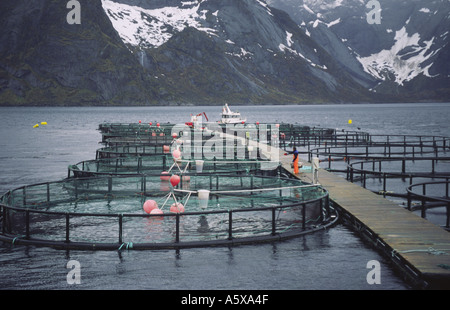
point(230, 224)
point(446, 187)
point(120, 227)
point(409, 200)
point(321, 209)
point(48, 193)
point(327, 204)
point(177, 233)
point(67, 228)
point(109, 184)
point(24, 194)
point(423, 201)
point(273, 222)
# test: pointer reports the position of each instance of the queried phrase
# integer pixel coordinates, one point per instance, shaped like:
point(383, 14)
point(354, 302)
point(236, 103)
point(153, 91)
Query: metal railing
point(430, 201)
point(17, 230)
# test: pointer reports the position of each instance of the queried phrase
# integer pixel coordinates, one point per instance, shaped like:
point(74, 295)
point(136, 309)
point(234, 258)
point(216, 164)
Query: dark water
point(333, 259)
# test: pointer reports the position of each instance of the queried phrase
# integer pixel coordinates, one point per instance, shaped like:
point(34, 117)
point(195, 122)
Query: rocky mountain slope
point(406, 53)
point(44, 60)
point(144, 52)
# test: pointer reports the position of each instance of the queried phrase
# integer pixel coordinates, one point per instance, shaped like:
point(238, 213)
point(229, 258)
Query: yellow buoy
point(37, 125)
point(350, 121)
point(43, 123)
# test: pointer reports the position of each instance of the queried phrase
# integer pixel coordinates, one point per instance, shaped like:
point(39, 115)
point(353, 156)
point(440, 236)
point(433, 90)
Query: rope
point(430, 250)
point(15, 238)
point(129, 245)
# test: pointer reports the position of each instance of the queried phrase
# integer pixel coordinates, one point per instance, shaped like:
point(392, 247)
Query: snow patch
point(289, 39)
point(262, 3)
point(307, 32)
point(285, 49)
point(424, 10)
point(150, 28)
point(308, 9)
point(323, 5)
point(335, 22)
point(316, 23)
point(243, 54)
point(319, 21)
point(404, 60)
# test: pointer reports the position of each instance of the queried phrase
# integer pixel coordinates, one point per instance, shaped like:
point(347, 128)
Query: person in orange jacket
point(295, 160)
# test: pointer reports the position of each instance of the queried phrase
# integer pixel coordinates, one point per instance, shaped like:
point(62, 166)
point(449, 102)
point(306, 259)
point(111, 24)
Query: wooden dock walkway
point(420, 249)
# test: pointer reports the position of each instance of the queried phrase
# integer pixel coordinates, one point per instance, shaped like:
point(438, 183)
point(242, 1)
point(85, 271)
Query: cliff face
point(44, 60)
point(403, 53)
point(242, 52)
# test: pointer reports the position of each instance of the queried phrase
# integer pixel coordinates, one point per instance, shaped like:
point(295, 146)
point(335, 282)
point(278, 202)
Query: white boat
point(229, 117)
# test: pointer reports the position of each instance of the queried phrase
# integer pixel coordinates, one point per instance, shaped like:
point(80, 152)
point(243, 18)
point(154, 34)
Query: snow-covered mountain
point(216, 51)
point(150, 28)
point(407, 51)
point(258, 54)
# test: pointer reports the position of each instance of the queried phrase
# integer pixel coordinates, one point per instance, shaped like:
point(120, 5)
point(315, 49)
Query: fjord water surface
point(331, 259)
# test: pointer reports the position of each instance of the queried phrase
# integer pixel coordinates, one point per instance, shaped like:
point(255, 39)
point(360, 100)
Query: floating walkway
point(414, 245)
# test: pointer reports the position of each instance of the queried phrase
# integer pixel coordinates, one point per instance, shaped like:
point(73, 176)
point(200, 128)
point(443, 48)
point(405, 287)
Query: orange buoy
point(156, 211)
point(177, 208)
point(164, 176)
point(174, 180)
point(149, 206)
point(176, 154)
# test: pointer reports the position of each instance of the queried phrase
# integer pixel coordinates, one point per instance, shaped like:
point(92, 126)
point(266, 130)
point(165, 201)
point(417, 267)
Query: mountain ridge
point(405, 54)
point(162, 52)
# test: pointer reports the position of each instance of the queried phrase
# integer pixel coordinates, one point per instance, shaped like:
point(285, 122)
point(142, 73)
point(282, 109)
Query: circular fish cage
point(431, 194)
point(118, 134)
point(110, 213)
point(163, 164)
point(233, 150)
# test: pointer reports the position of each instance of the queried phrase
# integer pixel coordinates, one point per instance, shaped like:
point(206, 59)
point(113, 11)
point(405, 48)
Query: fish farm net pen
point(393, 165)
point(70, 221)
point(138, 194)
point(67, 213)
